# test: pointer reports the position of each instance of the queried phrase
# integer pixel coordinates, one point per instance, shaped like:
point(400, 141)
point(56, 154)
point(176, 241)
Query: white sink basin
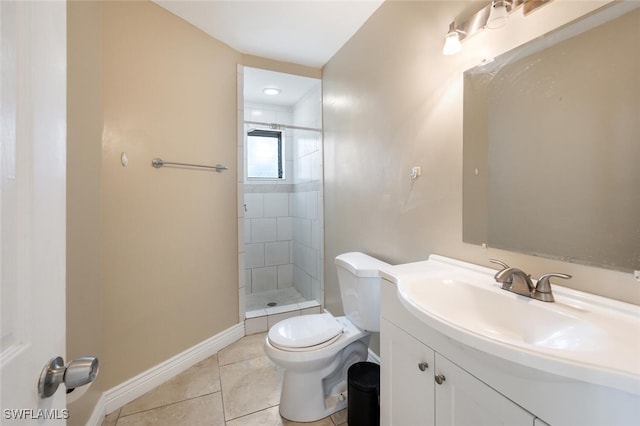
point(581, 336)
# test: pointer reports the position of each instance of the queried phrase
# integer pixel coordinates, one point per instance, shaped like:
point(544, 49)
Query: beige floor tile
point(201, 379)
point(244, 349)
point(111, 418)
point(268, 417)
point(204, 410)
point(271, 417)
point(250, 386)
point(340, 418)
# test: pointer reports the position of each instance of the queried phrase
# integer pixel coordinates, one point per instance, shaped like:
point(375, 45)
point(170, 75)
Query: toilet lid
point(305, 331)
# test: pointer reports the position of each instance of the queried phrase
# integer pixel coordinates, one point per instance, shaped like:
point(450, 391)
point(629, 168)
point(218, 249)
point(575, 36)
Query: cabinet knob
point(440, 379)
point(423, 366)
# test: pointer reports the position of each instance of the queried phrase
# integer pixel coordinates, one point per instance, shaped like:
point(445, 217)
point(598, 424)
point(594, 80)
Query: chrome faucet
point(519, 282)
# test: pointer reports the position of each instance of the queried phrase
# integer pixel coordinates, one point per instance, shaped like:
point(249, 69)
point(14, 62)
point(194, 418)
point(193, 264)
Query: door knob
point(77, 373)
point(423, 366)
point(440, 379)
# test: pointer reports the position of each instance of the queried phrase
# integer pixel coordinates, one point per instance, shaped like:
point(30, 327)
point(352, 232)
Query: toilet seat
point(305, 332)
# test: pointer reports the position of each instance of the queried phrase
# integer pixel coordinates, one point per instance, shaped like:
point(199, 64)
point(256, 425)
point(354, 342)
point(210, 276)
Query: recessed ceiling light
point(271, 91)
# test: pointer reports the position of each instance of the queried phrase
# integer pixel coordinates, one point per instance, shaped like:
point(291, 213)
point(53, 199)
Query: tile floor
point(239, 386)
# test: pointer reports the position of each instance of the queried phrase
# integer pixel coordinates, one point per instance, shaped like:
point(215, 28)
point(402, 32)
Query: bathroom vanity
point(457, 349)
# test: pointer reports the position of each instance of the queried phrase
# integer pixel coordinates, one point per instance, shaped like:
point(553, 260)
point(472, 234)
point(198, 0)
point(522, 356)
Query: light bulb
point(452, 43)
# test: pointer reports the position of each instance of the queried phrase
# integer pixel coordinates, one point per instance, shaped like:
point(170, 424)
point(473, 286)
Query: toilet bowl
point(313, 385)
point(316, 350)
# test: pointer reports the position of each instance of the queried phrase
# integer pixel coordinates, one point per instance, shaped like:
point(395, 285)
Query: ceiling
point(302, 32)
point(293, 87)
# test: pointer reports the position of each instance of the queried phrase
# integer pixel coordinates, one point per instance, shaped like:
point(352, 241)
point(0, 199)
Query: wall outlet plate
point(636, 275)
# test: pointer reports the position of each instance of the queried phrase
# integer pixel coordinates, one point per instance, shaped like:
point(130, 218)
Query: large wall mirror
point(552, 144)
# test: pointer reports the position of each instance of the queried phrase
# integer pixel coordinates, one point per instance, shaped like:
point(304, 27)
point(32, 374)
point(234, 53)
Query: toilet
point(316, 350)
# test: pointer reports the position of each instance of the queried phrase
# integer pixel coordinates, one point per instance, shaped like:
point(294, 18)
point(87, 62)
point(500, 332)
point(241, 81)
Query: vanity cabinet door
point(463, 400)
point(406, 379)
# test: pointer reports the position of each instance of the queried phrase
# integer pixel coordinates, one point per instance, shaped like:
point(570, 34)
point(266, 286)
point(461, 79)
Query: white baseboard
point(97, 416)
point(122, 394)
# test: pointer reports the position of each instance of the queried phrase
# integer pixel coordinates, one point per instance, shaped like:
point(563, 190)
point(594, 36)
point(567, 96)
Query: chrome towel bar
point(158, 162)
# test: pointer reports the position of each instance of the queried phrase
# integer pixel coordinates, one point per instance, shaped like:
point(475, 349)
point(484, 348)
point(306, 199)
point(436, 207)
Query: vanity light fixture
point(492, 16)
point(271, 91)
point(498, 14)
point(452, 43)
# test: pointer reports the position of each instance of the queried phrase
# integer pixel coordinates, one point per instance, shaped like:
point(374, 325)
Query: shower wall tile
point(308, 111)
point(317, 290)
point(284, 117)
point(302, 169)
point(299, 204)
point(311, 262)
point(276, 253)
point(289, 169)
point(254, 255)
point(284, 228)
point(263, 279)
point(247, 281)
point(302, 231)
point(263, 230)
point(302, 282)
point(276, 204)
point(312, 205)
point(316, 235)
point(288, 145)
point(254, 204)
point(247, 231)
point(292, 199)
point(285, 275)
point(268, 237)
point(297, 210)
point(255, 113)
point(316, 166)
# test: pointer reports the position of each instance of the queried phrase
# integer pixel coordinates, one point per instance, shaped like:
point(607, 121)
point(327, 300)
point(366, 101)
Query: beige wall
point(169, 237)
point(152, 266)
point(152, 253)
point(392, 101)
point(279, 66)
point(84, 227)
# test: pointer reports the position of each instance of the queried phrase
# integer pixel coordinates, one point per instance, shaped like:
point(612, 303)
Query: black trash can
point(363, 407)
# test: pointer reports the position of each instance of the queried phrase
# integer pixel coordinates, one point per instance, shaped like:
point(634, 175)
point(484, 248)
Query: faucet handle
point(505, 267)
point(543, 287)
point(499, 262)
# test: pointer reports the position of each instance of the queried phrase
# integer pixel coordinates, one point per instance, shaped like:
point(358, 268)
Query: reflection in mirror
point(552, 144)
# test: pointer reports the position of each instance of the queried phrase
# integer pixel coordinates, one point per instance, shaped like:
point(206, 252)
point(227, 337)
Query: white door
point(32, 206)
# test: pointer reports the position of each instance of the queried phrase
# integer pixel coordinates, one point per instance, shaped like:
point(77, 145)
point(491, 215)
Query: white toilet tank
point(360, 289)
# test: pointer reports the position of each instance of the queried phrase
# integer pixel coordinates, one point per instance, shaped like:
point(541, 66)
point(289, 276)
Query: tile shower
point(282, 223)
